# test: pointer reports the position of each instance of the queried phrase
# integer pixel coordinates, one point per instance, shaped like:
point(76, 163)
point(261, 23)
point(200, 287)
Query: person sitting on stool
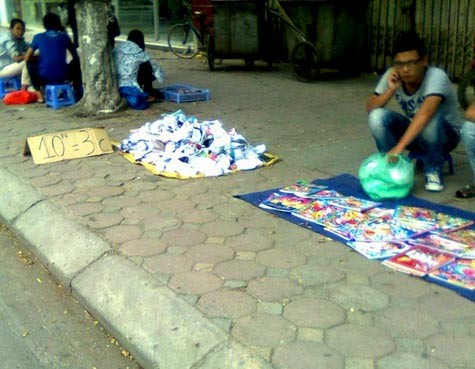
point(136, 71)
point(51, 68)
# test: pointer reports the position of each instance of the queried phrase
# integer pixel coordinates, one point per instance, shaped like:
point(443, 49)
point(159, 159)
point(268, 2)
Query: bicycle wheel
point(182, 41)
point(466, 89)
point(304, 61)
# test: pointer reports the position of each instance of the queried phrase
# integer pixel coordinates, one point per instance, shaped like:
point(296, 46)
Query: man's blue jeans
point(435, 140)
point(468, 137)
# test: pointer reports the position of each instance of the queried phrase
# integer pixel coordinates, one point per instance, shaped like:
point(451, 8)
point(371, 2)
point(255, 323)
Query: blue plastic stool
point(59, 95)
point(447, 158)
point(8, 85)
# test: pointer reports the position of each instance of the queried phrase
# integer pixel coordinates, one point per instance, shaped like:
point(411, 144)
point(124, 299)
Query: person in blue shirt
point(51, 67)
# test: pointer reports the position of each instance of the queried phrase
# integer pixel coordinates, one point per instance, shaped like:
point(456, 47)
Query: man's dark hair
point(15, 21)
point(52, 22)
point(137, 36)
point(407, 41)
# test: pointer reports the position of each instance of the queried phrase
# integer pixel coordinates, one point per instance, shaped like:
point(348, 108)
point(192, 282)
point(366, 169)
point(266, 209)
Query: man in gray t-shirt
point(429, 125)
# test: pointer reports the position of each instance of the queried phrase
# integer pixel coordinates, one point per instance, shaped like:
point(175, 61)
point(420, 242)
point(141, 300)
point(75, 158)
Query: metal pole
point(156, 20)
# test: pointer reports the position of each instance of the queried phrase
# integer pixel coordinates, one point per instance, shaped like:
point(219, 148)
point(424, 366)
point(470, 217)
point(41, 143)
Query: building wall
point(447, 26)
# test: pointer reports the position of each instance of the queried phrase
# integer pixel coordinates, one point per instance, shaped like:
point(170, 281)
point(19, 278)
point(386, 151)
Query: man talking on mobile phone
point(429, 124)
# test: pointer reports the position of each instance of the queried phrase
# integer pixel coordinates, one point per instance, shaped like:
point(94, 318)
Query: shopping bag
point(19, 97)
point(383, 179)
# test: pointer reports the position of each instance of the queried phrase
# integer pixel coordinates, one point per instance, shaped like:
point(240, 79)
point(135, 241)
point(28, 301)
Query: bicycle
point(466, 87)
point(185, 40)
point(304, 57)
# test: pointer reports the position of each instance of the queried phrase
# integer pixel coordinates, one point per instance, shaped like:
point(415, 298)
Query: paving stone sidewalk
point(184, 275)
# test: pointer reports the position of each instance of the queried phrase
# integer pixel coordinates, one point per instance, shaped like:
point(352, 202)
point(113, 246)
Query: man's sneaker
point(434, 182)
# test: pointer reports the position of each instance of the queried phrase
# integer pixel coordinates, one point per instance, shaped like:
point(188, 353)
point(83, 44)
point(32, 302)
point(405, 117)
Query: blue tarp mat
point(350, 186)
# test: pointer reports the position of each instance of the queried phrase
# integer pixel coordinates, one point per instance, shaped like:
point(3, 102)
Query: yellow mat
point(269, 160)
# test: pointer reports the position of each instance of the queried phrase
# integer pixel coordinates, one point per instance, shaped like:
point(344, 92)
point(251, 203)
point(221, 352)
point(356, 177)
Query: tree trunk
point(101, 95)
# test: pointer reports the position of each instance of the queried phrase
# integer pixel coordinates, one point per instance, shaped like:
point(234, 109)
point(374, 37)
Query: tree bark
point(101, 95)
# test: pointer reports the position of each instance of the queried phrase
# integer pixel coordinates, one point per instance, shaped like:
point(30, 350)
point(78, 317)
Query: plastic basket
point(185, 93)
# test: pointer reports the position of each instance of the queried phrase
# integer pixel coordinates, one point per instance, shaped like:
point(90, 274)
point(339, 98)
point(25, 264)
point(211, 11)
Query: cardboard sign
point(79, 143)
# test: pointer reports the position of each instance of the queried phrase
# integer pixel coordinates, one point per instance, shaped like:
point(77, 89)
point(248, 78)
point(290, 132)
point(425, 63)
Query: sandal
point(466, 192)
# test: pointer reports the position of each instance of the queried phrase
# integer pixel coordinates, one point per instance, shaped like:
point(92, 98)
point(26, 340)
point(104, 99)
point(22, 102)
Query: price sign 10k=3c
point(66, 145)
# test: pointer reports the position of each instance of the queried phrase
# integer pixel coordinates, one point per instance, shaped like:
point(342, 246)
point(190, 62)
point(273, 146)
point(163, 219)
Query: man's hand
point(379, 101)
point(394, 81)
point(393, 155)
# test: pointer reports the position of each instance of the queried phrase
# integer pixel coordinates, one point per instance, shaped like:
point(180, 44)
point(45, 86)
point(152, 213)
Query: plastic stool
point(59, 95)
point(447, 158)
point(8, 85)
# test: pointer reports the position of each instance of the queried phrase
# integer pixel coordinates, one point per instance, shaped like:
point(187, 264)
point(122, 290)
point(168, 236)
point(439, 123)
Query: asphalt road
point(41, 326)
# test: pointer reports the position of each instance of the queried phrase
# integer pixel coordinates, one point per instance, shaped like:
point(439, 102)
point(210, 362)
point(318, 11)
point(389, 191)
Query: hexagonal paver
point(178, 205)
point(251, 240)
point(121, 201)
point(324, 249)
point(458, 350)
point(140, 211)
point(47, 180)
point(307, 355)
point(104, 220)
point(446, 306)
point(168, 264)
point(198, 216)
point(288, 234)
point(209, 253)
point(71, 198)
point(273, 289)
point(222, 228)
point(140, 185)
point(242, 270)
point(184, 188)
point(123, 233)
point(105, 191)
point(162, 222)
point(314, 313)
point(399, 285)
point(58, 189)
point(143, 247)
point(406, 322)
point(311, 275)
point(86, 208)
point(280, 258)
point(77, 174)
point(227, 304)
point(360, 341)
point(211, 199)
point(156, 195)
point(358, 297)
point(195, 283)
point(184, 236)
point(264, 330)
point(401, 360)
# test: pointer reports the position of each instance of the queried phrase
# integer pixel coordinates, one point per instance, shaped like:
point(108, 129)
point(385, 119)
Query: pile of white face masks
point(179, 144)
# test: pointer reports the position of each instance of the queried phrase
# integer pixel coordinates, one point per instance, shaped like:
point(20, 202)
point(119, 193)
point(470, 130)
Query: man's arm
point(419, 121)
point(28, 54)
point(379, 101)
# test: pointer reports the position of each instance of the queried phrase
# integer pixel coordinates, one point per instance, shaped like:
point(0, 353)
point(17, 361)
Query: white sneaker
point(434, 182)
